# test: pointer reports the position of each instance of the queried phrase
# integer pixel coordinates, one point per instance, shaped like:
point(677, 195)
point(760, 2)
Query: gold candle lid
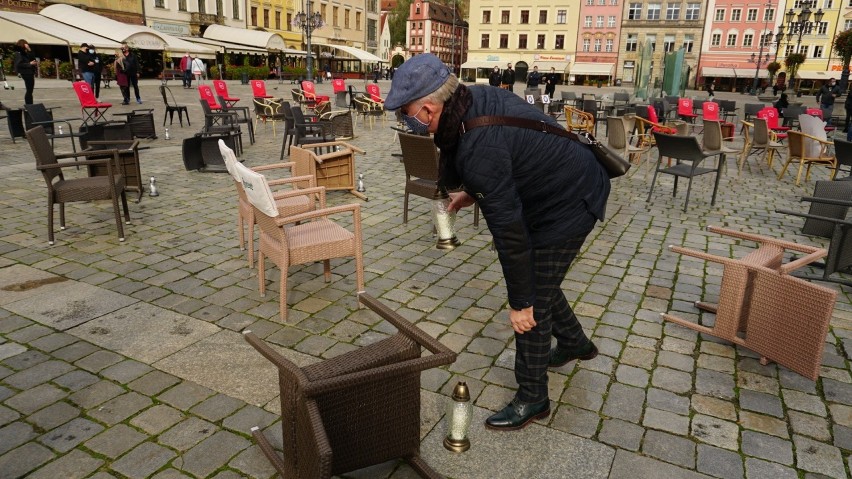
point(461, 393)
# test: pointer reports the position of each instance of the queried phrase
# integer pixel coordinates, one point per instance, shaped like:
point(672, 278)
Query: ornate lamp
point(308, 22)
point(458, 419)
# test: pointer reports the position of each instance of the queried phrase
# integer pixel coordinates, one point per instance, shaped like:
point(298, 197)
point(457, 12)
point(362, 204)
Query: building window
point(613, 2)
point(540, 42)
point(654, 11)
point(278, 20)
point(748, 39)
point(609, 44)
point(635, 11)
point(588, 21)
point(182, 5)
point(590, 2)
point(601, 2)
point(236, 8)
point(818, 51)
point(751, 15)
point(687, 43)
point(485, 41)
point(522, 42)
point(736, 14)
point(220, 9)
point(486, 16)
point(289, 22)
point(720, 15)
point(611, 22)
point(346, 14)
point(504, 16)
point(693, 10)
point(597, 44)
point(668, 43)
point(600, 22)
point(525, 17)
point(560, 42)
point(159, 4)
point(822, 29)
point(827, 4)
point(504, 40)
point(631, 42)
point(254, 16)
point(673, 11)
point(848, 23)
point(769, 14)
point(372, 29)
point(265, 18)
point(561, 16)
point(334, 22)
point(542, 16)
point(715, 39)
point(587, 44)
point(732, 40)
point(358, 21)
point(202, 7)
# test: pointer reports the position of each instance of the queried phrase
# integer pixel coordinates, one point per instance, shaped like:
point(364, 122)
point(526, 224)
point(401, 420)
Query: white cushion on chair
point(257, 190)
point(230, 160)
point(813, 126)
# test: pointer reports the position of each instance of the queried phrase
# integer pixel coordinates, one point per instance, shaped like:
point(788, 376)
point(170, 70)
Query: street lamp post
point(798, 25)
point(308, 22)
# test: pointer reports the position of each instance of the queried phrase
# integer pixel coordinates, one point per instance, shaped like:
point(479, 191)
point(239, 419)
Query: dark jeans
point(553, 317)
point(29, 84)
point(134, 82)
point(187, 78)
point(550, 90)
point(96, 84)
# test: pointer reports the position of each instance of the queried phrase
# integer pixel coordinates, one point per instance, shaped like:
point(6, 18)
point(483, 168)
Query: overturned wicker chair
point(355, 410)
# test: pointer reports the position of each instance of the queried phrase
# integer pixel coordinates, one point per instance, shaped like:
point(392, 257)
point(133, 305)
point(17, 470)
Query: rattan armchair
point(368, 109)
point(301, 198)
point(63, 190)
point(763, 308)
point(420, 159)
point(799, 150)
point(578, 120)
point(355, 410)
point(300, 239)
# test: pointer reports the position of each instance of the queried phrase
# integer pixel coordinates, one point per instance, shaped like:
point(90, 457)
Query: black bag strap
point(538, 125)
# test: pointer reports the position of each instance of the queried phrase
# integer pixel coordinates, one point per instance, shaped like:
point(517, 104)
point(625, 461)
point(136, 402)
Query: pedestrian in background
point(551, 78)
point(186, 68)
point(495, 78)
point(121, 78)
point(131, 66)
point(534, 78)
point(26, 65)
point(541, 194)
point(85, 64)
point(508, 81)
point(96, 71)
point(827, 93)
point(198, 69)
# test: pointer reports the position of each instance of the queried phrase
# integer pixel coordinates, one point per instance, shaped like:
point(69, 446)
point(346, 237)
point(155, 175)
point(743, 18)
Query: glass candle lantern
point(458, 419)
point(444, 220)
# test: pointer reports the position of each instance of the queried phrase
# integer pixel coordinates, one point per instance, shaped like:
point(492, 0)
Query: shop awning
point(719, 72)
point(253, 38)
point(39, 30)
point(362, 55)
point(811, 75)
point(481, 64)
point(589, 68)
point(560, 67)
point(138, 36)
point(223, 47)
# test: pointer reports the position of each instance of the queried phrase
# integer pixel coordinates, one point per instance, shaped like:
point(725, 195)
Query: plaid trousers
point(553, 316)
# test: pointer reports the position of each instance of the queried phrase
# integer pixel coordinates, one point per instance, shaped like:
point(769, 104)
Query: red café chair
point(770, 114)
point(818, 113)
point(222, 90)
point(375, 92)
point(710, 111)
point(310, 92)
point(92, 109)
point(684, 110)
point(258, 89)
point(339, 85)
point(659, 127)
point(206, 94)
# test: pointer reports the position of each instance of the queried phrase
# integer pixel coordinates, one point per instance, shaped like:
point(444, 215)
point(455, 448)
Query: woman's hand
point(460, 200)
point(522, 321)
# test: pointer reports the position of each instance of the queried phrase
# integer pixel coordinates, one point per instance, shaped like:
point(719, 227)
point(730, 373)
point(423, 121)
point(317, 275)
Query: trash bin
point(600, 83)
point(244, 78)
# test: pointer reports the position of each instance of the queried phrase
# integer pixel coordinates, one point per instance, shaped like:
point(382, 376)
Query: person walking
point(26, 65)
point(495, 77)
point(198, 70)
point(534, 78)
point(711, 88)
point(96, 71)
point(541, 194)
point(85, 64)
point(550, 81)
point(827, 93)
point(508, 81)
point(131, 66)
point(186, 69)
point(121, 78)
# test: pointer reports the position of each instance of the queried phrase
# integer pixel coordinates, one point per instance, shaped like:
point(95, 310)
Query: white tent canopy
point(242, 36)
point(138, 36)
point(362, 55)
point(482, 64)
point(812, 75)
point(592, 69)
point(223, 47)
point(40, 30)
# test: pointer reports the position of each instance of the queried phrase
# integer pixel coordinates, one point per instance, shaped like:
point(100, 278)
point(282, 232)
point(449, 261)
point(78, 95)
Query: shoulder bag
point(612, 162)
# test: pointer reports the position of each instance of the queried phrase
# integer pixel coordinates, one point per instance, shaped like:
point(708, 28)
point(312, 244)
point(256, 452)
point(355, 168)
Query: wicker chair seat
point(318, 240)
point(80, 189)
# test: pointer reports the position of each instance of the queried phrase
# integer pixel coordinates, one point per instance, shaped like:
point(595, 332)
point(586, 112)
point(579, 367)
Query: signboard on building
point(552, 58)
point(25, 6)
point(170, 28)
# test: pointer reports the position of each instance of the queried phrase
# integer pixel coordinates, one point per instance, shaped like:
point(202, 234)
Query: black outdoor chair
point(172, 107)
point(826, 218)
point(688, 155)
point(243, 115)
point(843, 153)
point(222, 123)
point(37, 114)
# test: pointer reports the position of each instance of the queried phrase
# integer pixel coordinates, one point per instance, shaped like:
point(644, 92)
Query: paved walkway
point(126, 359)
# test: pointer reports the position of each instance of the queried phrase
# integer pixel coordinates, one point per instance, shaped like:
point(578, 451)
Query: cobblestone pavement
point(125, 359)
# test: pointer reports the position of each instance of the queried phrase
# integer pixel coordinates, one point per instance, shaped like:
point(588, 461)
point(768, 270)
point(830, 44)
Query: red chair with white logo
point(818, 113)
point(770, 114)
point(206, 94)
point(338, 85)
point(684, 110)
point(375, 92)
point(310, 92)
point(258, 89)
point(222, 90)
point(92, 109)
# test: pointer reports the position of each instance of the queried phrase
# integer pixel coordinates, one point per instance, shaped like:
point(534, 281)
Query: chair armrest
point(826, 201)
point(319, 191)
point(143, 110)
point(273, 166)
point(702, 255)
point(86, 153)
point(746, 123)
point(354, 208)
point(335, 143)
point(131, 144)
point(763, 239)
point(99, 161)
point(294, 179)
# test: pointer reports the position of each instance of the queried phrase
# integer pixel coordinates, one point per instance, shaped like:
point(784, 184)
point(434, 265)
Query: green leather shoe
point(516, 415)
point(560, 357)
